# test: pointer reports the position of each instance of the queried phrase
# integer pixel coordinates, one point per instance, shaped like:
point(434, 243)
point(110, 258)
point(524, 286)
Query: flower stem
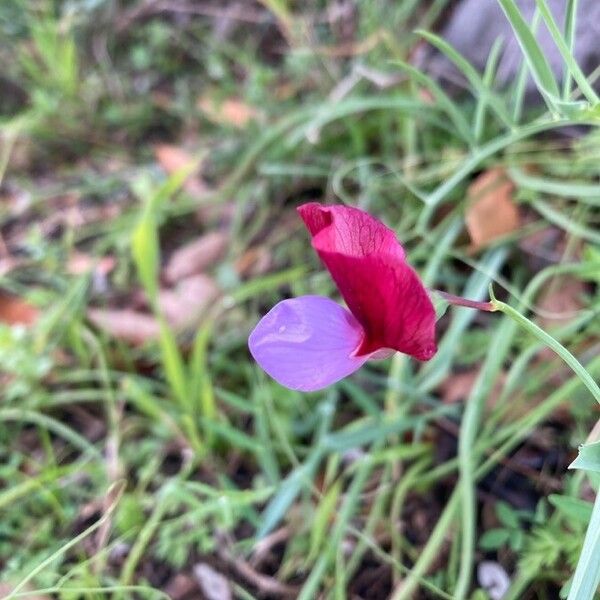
point(460, 301)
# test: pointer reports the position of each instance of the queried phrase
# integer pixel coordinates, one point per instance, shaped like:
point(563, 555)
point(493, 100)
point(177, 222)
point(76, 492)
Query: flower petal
point(368, 265)
point(349, 230)
point(307, 343)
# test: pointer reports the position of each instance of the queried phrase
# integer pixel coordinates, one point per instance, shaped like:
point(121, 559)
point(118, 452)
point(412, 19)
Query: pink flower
point(310, 342)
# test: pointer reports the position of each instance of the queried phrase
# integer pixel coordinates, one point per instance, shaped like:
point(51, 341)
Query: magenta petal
point(307, 343)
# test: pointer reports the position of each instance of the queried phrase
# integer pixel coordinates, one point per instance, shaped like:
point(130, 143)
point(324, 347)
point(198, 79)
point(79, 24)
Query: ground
point(152, 156)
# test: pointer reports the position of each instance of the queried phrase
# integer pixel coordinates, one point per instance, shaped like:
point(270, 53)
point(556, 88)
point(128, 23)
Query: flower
point(310, 342)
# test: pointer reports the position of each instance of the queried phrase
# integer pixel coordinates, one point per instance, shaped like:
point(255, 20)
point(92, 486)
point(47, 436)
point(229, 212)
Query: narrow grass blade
point(444, 101)
point(570, 27)
point(565, 51)
point(473, 77)
point(538, 64)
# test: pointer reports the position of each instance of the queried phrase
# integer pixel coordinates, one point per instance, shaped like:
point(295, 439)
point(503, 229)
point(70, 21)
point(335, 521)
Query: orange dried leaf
point(491, 212)
point(172, 158)
point(196, 256)
point(232, 111)
point(185, 305)
point(127, 325)
point(80, 263)
point(16, 311)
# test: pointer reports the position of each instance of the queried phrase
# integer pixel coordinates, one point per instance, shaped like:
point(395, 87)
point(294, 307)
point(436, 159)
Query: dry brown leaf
point(231, 111)
point(80, 263)
point(172, 159)
point(16, 311)
point(491, 212)
point(195, 257)
point(181, 586)
point(457, 387)
point(125, 324)
point(186, 304)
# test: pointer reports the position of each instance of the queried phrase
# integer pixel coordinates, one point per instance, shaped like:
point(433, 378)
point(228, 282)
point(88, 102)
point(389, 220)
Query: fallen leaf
point(231, 111)
point(186, 304)
point(80, 263)
point(16, 311)
point(457, 386)
point(196, 256)
point(181, 586)
point(213, 584)
point(491, 212)
point(128, 325)
point(172, 159)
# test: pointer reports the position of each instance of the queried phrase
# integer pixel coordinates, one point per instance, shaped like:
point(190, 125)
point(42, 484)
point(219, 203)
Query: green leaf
point(493, 539)
point(574, 509)
point(566, 53)
point(539, 66)
point(507, 515)
point(588, 459)
point(145, 251)
point(473, 77)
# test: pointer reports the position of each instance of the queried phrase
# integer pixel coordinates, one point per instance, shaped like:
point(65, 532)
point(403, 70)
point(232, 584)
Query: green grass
point(122, 466)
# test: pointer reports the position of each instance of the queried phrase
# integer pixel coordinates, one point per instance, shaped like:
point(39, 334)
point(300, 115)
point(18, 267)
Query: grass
point(126, 465)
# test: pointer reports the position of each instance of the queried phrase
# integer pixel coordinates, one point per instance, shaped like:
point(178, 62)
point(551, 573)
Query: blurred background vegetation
point(152, 155)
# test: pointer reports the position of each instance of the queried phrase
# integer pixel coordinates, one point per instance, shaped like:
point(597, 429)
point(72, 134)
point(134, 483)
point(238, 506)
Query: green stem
point(587, 572)
point(557, 347)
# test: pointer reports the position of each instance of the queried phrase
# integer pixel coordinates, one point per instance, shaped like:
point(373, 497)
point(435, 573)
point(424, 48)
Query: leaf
point(574, 509)
point(16, 311)
point(231, 111)
point(491, 212)
point(588, 458)
point(536, 60)
point(146, 252)
point(128, 325)
point(196, 256)
point(80, 263)
point(174, 159)
point(507, 515)
point(188, 302)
